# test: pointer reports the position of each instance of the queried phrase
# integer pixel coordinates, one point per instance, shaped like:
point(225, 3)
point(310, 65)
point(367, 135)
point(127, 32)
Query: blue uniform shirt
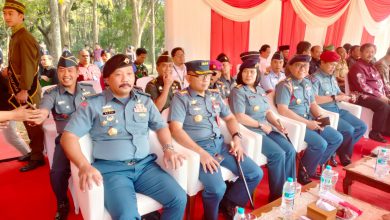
point(62, 103)
point(296, 94)
point(269, 81)
point(104, 114)
point(253, 104)
point(199, 115)
point(325, 85)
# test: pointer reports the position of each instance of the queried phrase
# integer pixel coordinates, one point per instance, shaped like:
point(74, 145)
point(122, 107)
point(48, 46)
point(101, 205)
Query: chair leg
point(190, 207)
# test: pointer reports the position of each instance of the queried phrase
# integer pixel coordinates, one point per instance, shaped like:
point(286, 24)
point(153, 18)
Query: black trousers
point(35, 133)
point(381, 109)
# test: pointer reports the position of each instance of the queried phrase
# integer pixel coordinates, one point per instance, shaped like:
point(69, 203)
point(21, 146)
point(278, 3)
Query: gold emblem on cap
point(127, 60)
point(299, 101)
point(198, 118)
point(256, 108)
point(112, 131)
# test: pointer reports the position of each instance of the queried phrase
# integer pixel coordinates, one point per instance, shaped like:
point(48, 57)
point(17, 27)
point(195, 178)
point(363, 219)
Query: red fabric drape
point(229, 37)
point(244, 3)
point(324, 8)
point(367, 37)
point(379, 9)
point(292, 28)
point(335, 32)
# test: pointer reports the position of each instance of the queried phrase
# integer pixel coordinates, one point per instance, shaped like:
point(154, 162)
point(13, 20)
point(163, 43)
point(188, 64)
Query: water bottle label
point(289, 195)
point(326, 181)
point(381, 161)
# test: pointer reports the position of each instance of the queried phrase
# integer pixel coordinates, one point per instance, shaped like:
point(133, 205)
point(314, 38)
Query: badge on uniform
point(193, 102)
point(198, 118)
point(299, 101)
point(140, 107)
point(296, 87)
point(112, 131)
point(256, 108)
point(108, 110)
point(61, 102)
point(327, 93)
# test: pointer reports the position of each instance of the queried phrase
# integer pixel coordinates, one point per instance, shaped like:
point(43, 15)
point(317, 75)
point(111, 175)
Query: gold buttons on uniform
point(299, 101)
point(198, 118)
point(112, 131)
point(256, 108)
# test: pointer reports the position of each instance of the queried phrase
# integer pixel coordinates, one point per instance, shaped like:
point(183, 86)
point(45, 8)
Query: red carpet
point(29, 196)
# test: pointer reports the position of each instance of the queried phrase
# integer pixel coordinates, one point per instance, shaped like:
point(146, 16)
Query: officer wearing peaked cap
point(194, 122)
point(215, 82)
point(275, 75)
point(226, 78)
point(327, 95)
point(118, 122)
point(162, 88)
point(250, 105)
point(285, 51)
point(62, 101)
point(294, 98)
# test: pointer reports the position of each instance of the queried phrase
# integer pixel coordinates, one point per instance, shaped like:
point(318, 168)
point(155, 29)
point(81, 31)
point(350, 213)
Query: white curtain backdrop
point(263, 31)
point(353, 26)
point(311, 19)
point(188, 25)
point(315, 35)
point(372, 27)
point(237, 14)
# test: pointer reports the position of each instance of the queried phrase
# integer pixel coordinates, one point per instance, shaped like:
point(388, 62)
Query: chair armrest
point(91, 201)
point(252, 144)
point(352, 108)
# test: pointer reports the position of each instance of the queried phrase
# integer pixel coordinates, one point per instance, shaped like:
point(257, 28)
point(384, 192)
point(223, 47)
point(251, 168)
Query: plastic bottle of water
point(287, 207)
point(326, 180)
point(240, 214)
point(381, 167)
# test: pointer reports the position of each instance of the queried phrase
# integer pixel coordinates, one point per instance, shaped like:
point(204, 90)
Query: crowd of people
point(197, 94)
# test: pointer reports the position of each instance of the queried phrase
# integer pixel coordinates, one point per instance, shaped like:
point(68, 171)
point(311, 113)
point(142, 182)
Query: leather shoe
point(62, 211)
point(332, 161)
point(377, 137)
point(345, 161)
point(316, 176)
point(303, 177)
point(152, 216)
point(228, 208)
point(32, 164)
point(24, 158)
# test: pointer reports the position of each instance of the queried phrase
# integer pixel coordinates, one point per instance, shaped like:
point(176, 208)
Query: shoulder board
point(312, 78)
point(93, 95)
point(238, 86)
point(183, 92)
point(85, 84)
point(154, 80)
point(266, 73)
point(219, 82)
point(142, 92)
point(49, 90)
point(214, 90)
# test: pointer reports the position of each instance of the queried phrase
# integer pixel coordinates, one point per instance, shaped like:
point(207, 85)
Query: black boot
point(332, 161)
point(62, 210)
point(228, 208)
point(303, 177)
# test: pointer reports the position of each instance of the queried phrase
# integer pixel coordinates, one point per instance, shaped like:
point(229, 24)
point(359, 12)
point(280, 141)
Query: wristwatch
point(168, 147)
point(237, 134)
point(333, 97)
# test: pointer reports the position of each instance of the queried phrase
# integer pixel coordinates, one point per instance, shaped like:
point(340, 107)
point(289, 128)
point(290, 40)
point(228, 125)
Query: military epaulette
point(141, 92)
point(93, 95)
point(85, 84)
point(154, 80)
point(49, 90)
point(219, 82)
point(183, 92)
point(266, 73)
point(238, 86)
point(312, 78)
point(214, 90)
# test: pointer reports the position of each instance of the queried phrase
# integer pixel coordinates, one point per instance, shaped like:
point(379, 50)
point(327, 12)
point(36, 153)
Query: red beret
point(330, 56)
point(215, 65)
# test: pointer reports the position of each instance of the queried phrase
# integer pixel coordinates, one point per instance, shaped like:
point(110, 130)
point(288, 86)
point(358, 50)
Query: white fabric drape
point(188, 25)
point(237, 14)
point(353, 26)
point(264, 28)
point(372, 27)
point(314, 20)
point(315, 35)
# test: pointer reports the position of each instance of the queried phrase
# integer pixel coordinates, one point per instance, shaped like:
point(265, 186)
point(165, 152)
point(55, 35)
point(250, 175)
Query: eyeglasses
point(85, 55)
point(301, 65)
point(202, 77)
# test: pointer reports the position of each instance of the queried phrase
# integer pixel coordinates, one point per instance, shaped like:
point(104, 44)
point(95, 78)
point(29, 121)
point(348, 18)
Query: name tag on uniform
point(86, 93)
point(61, 102)
point(296, 87)
point(108, 110)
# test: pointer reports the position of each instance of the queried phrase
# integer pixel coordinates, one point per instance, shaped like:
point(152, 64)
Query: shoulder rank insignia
point(49, 90)
point(214, 90)
point(238, 86)
point(86, 84)
point(183, 92)
point(139, 91)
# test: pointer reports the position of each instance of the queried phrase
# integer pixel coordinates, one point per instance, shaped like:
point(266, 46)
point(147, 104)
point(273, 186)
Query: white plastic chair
point(251, 143)
point(92, 201)
point(96, 85)
point(366, 113)
point(142, 82)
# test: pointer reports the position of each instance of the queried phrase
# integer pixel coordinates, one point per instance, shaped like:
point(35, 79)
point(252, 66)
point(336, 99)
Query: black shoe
point(316, 176)
point(303, 177)
point(32, 164)
point(345, 161)
point(62, 211)
point(332, 161)
point(151, 216)
point(24, 158)
point(228, 208)
point(377, 137)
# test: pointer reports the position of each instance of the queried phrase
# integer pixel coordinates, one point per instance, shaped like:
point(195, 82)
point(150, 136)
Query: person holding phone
point(162, 88)
point(194, 123)
point(294, 98)
point(327, 94)
point(249, 103)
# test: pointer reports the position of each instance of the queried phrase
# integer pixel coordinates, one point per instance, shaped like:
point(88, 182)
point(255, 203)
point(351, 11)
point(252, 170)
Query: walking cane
point(299, 159)
point(243, 178)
